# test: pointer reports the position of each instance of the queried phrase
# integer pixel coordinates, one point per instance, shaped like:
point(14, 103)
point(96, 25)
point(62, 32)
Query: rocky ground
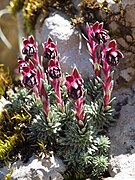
point(122, 136)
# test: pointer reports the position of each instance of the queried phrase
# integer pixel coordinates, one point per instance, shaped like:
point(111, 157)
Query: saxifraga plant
point(67, 122)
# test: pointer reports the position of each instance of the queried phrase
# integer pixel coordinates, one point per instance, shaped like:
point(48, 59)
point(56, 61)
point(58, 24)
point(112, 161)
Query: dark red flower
point(29, 46)
point(29, 72)
point(112, 54)
point(30, 80)
point(97, 33)
point(54, 69)
point(50, 50)
point(75, 93)
point(22, 63)
point(74, 84)
point(54, 72)
point(26, 66)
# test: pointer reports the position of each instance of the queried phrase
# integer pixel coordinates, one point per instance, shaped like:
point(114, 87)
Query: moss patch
point(5, 80)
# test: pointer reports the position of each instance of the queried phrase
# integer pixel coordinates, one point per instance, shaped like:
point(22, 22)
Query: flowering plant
point(103, 60)
point(66, 113)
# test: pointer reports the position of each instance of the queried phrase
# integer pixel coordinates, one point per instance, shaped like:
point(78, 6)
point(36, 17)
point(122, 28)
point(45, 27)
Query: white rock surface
point(123, 164)
point(3, 102)
point(36, 169)
point(70, 43)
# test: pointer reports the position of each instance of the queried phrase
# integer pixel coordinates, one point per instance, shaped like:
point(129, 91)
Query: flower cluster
point(32, 71)
point(103, 56)
point(74, 82)
point(54, 69)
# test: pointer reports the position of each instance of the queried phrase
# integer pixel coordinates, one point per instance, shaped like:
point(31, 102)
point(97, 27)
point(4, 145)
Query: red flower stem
point(44, 99)
point(107, 86)
point(96, 61)
point(79, 109)
point(56, 84)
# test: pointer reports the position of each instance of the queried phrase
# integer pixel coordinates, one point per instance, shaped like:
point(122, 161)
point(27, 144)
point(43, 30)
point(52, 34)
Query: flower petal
point(69, 78)
point(88, 29)
point(76, 73)
point(31, 39)
point(101, 25)
point(112, 44)
point(26, 69)
point(51, 63)
point(25, 42)
point(95, 26)
point(49, 40)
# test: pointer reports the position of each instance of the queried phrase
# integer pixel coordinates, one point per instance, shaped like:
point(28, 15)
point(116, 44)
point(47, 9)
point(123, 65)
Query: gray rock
point(3, 172)
point(122, 136)
point(122, 28)
point(123, 164)
point(70, 43)
point(36, 169)
point(123, 132)
point(129, 38)
point(4, 103)
point(121, 176)
point(127, 73)
point(45, 168)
